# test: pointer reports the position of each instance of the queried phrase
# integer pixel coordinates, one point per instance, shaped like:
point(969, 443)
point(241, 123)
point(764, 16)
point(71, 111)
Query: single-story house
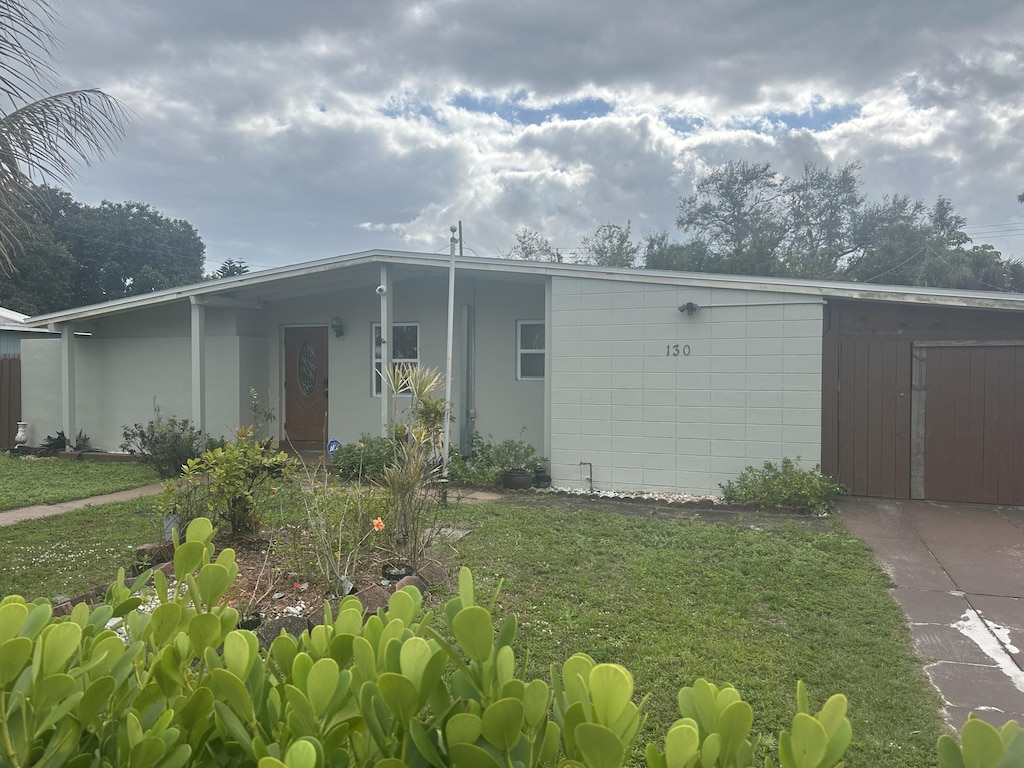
point(626, 379)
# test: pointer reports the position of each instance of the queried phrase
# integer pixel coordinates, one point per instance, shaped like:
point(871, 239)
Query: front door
point(305, 384)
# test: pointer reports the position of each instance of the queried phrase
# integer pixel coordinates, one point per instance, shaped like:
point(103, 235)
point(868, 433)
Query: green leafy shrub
point(164, 444)
point(179, 685)
point(475, 469)
point(783, 485)
point(366, 459)
point(234, 480)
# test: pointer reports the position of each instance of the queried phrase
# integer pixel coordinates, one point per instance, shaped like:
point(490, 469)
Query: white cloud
point(291, 132)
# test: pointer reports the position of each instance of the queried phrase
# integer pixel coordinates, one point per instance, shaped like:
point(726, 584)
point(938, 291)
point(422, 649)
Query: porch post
point(384, 289)
point(67, 366)
point(198, 365)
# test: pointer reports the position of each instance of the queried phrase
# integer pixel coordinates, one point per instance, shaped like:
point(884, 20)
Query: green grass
point(674, 601)
point(670, 600)
point(73, 552)
point(28, 481)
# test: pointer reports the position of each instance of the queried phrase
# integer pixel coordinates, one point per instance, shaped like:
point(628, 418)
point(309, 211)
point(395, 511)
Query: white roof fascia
point(859, 291)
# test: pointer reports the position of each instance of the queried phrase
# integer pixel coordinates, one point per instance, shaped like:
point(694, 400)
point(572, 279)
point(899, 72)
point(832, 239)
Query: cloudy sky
point(291, 131)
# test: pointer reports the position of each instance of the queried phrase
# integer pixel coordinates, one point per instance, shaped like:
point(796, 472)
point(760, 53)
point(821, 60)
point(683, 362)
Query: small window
point(405, 350)
point(529, 349)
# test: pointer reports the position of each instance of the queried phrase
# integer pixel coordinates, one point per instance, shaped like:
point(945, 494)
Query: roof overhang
point(255, 290)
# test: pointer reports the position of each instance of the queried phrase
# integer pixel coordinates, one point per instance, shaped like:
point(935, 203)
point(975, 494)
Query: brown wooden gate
point(924, 401)
point(874, 417)
point(969, 422)
point(10, 400)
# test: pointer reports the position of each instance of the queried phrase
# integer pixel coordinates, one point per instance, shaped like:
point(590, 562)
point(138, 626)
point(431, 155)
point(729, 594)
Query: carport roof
point(253, 288)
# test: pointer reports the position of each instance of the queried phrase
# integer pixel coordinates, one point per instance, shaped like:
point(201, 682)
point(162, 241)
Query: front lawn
point(27, 481)
point(70, 553)
point(677, 600)
point(671, 600)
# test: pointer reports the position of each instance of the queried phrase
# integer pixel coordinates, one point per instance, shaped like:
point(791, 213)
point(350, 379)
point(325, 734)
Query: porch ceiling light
point(337, 326)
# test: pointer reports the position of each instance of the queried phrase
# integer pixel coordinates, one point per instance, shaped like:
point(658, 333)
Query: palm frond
point(46, 140)
point(26, 47)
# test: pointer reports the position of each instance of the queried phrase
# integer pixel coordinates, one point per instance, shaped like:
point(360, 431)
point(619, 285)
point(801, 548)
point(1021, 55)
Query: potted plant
point(515, 460)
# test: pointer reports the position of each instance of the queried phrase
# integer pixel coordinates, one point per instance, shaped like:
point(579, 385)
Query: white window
point(529, 349)
point(405, 349)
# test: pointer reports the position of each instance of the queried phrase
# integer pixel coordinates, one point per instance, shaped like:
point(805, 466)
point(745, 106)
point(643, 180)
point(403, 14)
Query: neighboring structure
point(12, 331)
point(651, 380)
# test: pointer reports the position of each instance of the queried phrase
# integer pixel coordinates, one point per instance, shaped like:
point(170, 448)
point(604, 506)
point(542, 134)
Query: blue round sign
point(333, 446)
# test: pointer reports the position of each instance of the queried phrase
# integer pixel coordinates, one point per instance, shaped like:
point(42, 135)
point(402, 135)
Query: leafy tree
point(121, 249)
point(735, 210)
point(693, 256)
point(610, 246)
point(230, 268)
point(77, 254)
point(820, 211)
point(41, 136)
point(532, 246)
point(747, 219)
point(41, 282)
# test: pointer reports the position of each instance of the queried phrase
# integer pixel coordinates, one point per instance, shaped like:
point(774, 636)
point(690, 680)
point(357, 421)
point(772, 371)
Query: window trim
point(376, 375)
point(520, 351)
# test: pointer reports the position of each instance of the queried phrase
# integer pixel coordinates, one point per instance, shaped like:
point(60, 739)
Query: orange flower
point(378, 524)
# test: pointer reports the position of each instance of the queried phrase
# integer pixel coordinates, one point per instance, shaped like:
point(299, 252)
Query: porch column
point(548, 314)
point(67, 369)
point(384, 289)
point(198, 365)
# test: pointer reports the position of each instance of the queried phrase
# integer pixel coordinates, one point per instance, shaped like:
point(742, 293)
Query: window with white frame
point(405, 350)
point(530, 349)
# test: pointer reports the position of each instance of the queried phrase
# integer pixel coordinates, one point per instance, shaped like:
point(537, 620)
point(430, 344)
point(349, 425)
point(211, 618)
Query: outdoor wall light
point(689, 308)
point(337, 326)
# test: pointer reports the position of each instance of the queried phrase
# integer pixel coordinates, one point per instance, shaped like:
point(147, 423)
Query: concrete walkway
point(958, 573)
point(11, 516)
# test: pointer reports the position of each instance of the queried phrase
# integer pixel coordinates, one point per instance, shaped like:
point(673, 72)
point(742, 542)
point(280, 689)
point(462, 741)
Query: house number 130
point(674, 350)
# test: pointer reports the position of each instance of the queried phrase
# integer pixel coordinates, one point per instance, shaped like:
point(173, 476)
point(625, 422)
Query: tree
point(820, 210)
point(693, 256)
point(121, 249)
point(94, 254)
point(230, 268)
point(610, 246)
point(532, 246)
point(735, 210)
point(42, 136)
point(42, 281)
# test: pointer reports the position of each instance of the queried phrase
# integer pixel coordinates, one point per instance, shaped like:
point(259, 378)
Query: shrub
point(366, 459)
point(476, 469)
point(164, 444)
point(783, 485)
point(237, 477)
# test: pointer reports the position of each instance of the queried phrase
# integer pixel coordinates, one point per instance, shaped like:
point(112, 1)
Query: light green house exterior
point(625, 379)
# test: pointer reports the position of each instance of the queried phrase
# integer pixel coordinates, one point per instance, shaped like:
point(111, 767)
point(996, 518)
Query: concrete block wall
point(660, 400)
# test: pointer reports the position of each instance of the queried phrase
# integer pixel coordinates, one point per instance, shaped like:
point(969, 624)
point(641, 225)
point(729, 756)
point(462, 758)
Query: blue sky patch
point(815, 118)
point(511, 108)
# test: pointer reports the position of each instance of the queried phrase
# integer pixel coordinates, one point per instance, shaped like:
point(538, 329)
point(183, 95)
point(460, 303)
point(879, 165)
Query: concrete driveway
point(958, 572)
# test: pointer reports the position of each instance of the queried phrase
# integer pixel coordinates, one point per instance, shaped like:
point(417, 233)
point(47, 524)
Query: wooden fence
point(10, 399)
